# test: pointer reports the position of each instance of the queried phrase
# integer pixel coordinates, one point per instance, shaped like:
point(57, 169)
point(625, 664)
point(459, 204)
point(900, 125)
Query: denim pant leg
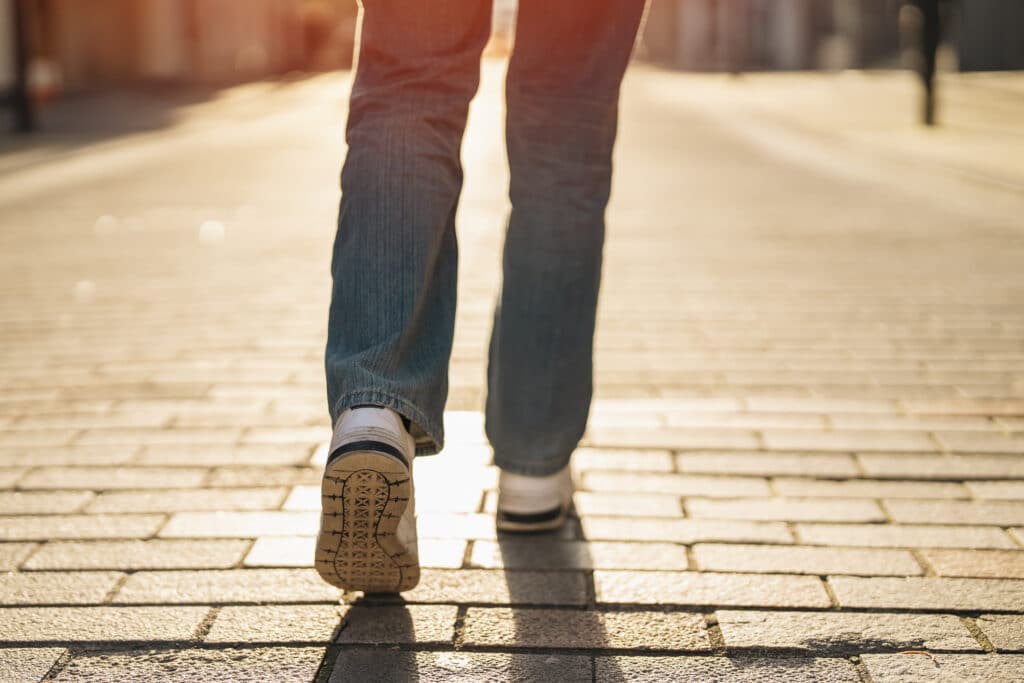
point(562, 93)
point(395, 256)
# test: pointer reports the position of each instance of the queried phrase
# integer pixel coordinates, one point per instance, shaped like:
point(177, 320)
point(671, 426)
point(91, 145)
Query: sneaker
point(367, 539)
point(534, 503)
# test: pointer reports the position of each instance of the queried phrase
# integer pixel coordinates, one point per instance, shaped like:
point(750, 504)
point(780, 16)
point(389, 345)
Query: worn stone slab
point(1004, 631)
point(963, 467)
point(66, 455)
point(703, 669)
point(247, 524)
point(928, 593)
point(429, 498)
point(265, 476)
point(10, 475)
point(981, 442)
point(526, 628)
point(176, 500)
point(384, 666)
point(669, 437)
point(677, 484)
point(622, 460)
point(27, 665)
point(498, 587)
point(106, 478)
point(836, 633)
point(852, 440)
point(279, 664)
point(154, 554)
point(1005, 564)
point(13, 554)
point(683, 530)
point(56, 588)
point(943, 668)
point(276, 624)
point(903, 536)
point(707, 588)
point(996, 490)
point(805, 560)
point(764, 464)
point(100, 624)
point(226, 586)
point(786, 509)
point(392, 624)
point(210, 455)
point(42, 502)
point(44, 528)
point(528, 553)
point(992, 513)
point(620, 504)
point(868, 488)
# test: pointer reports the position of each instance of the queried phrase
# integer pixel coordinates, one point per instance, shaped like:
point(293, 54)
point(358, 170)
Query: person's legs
point(562, 93)
point(395, 256)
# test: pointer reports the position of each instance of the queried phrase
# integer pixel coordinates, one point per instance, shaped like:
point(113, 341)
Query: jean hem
point(530, 469)
point(428, 443)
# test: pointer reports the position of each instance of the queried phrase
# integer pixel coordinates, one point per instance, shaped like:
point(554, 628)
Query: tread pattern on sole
point(363, 496)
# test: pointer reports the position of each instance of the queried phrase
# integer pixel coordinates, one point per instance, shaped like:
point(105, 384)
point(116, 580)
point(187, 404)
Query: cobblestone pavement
point(804, 462)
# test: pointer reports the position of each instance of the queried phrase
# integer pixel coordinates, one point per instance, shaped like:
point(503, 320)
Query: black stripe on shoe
point(532, 517)
point(369, 445)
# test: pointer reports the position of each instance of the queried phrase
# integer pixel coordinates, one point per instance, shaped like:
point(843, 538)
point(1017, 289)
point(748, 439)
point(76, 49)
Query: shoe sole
point(528, 523)
point(363, 497)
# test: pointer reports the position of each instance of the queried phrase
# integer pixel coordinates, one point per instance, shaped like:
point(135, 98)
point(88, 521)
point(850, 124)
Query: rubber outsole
point(520, 523)
point(363, 497)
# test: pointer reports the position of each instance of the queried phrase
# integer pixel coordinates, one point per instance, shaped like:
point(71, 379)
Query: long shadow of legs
point(373, 636)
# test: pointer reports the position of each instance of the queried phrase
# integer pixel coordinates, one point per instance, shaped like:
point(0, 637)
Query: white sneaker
point(367, 539)
point(534, 503)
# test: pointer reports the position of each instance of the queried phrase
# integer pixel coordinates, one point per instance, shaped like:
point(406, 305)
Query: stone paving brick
point(1004, 631)
point(428, 499)
point(1018, 535)
point(525, 628)
point(276, 624)
point(391, 624)
point(498, 587)
point(474, 526)
point(786, 509)
point(833, 633)
point(67, 625)
point(145, 437)
point(27, 664)
point(223, 524)
point(900, 668)
point(44, 528)
point(928, 593)
point(10, 475)
point(965, 406)
point(265, 476)
point(797, 440)
point(996, 513)
point(154, 554)
point(819, 405)
point(48, 438)
point(90, 421)
point(670, 437)
point(226, 586)
point(619, 504)
point(890, 466)
point(57, 588)
point(13, 554)
point(682, 530)
point(622, 460)
point(278, 435)
point(42, 502)
point(678, 484)
point(284, 551)
point(278, 664)
point(106, 478)
point(996, 490)
point(866, 488)
point(207, 455)
point(755, 421)
point(903, 536)
point(177, 500)
point(383, 666)
point(529, 553)
point(724, 669)
point(762, 463)
point(981, 442)
point(66, 455)
point(805, 560)
point(910, 422)
point(706, 588)
point(997, 564)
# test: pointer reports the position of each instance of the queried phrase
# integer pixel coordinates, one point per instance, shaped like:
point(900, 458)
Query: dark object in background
point(931, 35)
point(17, 97)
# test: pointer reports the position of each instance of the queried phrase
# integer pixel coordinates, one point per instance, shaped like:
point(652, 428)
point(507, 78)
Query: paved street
point(806, 455)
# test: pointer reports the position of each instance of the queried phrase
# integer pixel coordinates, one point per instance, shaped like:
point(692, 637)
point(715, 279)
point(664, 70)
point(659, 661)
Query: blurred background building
point(733, 35)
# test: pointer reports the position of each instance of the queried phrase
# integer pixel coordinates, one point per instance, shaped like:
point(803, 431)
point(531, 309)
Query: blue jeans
point(395, 254)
